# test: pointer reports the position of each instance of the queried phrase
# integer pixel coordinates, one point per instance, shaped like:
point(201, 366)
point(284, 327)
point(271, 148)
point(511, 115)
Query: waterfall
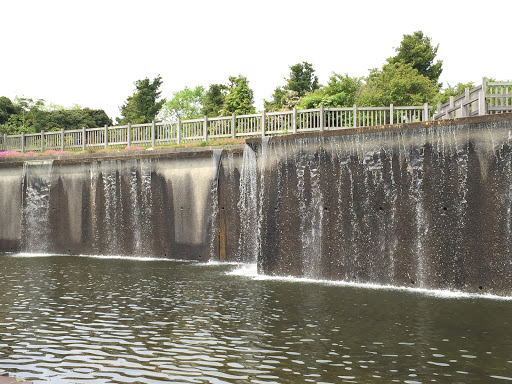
point(213, 222)
point(113, 211)
point(248, 244)
point(35, 224)
point(310, 212)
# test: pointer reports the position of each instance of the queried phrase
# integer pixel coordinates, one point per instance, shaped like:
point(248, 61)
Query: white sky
point(91, 52)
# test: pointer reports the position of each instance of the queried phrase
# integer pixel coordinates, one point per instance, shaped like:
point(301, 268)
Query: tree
point(213, 100)
point(276, 104)
point(417, 50)
point(184, 104)
point(142, 106)
point(302, 79)
point(341, 91)
point(240, 97)
point(7, 108)
point(398, 84)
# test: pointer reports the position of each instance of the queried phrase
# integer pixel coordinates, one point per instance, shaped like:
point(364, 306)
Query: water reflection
point(76, 319)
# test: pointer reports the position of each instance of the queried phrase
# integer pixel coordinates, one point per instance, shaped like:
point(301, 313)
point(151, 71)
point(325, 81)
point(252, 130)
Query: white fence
point(486, 99)
point(176, 132)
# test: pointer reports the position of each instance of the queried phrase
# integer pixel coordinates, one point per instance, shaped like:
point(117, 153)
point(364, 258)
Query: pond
point(76, 319)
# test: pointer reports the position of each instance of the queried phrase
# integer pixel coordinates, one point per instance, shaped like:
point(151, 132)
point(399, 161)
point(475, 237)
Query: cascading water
point(113, 211)
point(36, 185)
point(310, 209)
point(248, 245)
point(214, 197)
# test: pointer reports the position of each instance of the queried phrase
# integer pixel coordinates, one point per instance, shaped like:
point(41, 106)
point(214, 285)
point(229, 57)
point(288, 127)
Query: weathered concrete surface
point(158, 203)
point(425, 205)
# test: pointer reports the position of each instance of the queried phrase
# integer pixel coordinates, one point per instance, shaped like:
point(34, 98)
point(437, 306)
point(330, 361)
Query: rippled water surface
point(92, 320)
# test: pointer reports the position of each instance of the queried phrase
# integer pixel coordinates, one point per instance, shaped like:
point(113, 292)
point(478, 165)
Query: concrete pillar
point(205, 128)
point(482, 105)
point(321, 115)
point(233, 126)
point(263, 124)
point(129, 134)
point(106, 136)
point(178, 131)
point(294, 120)
point(153, 134)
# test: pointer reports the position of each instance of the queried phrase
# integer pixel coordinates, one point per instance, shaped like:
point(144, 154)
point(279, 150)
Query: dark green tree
point(213, 100)
point(417, 50)
point(302, 79)
point(7, 108)
point(143, 105)
point(240, 97)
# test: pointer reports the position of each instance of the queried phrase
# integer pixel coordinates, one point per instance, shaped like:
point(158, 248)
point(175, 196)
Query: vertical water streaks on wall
point(248, 244)
point(414, 151)
point(36, 186)
point(426, 207)
point(213, 218)
point(310, 207)
point(113, 210)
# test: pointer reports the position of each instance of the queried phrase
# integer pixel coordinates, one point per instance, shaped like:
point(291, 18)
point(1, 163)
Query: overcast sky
point(91, 52)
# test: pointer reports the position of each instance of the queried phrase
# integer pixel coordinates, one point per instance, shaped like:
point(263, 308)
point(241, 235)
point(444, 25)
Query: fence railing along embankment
point(487, 98)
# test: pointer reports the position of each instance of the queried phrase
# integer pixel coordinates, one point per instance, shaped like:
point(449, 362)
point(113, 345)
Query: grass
point(92, 150)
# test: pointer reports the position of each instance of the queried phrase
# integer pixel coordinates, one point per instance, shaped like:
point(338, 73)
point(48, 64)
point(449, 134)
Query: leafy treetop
point(142, 106)
point(417, 50)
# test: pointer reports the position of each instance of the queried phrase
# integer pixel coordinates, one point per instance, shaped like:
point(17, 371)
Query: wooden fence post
point(129, 134)
point(153, 131)
point(83, 138)
point(482, 106)
point(42, 141)
point(233, 126)
point(354, 113)
point(22, 142)
point(62, 139)
point(263, 124)
point(205, 128)
point(106, 136)
point(178, 132)
point(321, 117)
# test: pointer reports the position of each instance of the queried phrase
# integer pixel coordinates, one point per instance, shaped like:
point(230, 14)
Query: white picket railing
point(235, 126)
point(486, 99)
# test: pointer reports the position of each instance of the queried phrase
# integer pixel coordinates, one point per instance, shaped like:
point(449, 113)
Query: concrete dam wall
point(425, 205)
point(148, 204)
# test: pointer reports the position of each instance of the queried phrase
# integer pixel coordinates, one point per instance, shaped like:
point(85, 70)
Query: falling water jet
point(36, 186)
point(213, 222)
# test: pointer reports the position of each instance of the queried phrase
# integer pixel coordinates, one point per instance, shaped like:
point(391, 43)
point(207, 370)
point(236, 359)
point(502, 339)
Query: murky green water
point(91, 320)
